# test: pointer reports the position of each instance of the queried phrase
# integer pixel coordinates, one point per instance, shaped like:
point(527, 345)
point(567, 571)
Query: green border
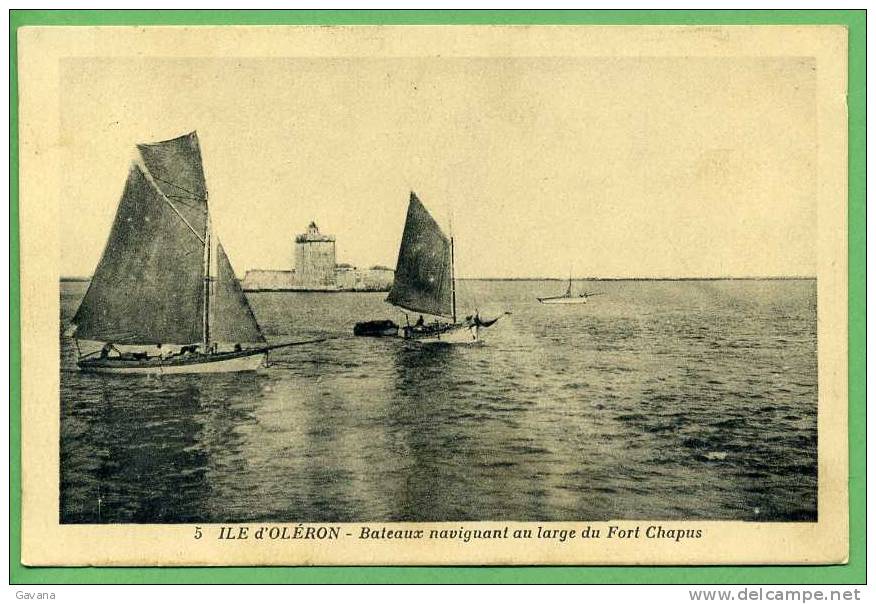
point(852, 573)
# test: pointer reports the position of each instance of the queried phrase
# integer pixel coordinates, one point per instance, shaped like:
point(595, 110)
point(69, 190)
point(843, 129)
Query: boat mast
point(206, 318)
point(452, 283)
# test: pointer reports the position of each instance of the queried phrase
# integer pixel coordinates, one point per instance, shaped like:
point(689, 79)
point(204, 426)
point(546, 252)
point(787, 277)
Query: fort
point(316, 269)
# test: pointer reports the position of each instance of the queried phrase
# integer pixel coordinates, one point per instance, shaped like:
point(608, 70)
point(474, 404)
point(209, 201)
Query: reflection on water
point(659, 400)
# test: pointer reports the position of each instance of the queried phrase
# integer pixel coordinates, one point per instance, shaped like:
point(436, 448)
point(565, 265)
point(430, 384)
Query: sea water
point(656, 400)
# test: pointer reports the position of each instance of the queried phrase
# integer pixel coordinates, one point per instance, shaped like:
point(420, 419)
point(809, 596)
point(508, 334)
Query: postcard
point(433, 295)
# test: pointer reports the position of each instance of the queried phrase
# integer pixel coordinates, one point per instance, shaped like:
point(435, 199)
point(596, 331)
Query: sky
point(599, 166)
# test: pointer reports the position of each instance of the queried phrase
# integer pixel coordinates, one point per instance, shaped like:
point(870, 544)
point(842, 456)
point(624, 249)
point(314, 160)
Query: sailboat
point(568, 297)
point(156, 303)
point(425, 282)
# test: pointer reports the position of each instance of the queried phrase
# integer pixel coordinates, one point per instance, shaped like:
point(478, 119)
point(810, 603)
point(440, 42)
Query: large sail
point(148, 285)
point(175, 166)
point(232, 319)
point(423, 280)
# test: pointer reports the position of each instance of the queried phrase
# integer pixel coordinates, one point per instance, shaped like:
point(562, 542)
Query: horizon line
point(72, 278)
point(662, 278)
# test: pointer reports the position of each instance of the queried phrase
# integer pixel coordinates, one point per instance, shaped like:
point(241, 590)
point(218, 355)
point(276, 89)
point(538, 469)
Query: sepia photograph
point(342, 278)
point(521, 361)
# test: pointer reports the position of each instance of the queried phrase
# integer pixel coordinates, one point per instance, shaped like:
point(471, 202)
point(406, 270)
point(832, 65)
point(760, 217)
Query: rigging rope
point(173, 184)
point(149, 176)
point(181, 217)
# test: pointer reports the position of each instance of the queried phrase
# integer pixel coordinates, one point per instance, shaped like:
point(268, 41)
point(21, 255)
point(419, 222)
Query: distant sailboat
point(425, 282)
point(153, 305)
point(568, 297)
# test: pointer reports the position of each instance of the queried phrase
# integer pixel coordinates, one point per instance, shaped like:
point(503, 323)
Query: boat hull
point(219, 363)
point(451, 334)
point(581, 300)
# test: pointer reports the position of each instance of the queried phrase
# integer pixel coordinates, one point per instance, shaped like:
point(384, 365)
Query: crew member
point(107, 348)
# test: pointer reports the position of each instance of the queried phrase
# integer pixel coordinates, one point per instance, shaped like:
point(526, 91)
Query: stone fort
point(316, 269)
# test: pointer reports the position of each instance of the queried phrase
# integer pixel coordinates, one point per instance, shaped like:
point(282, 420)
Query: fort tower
point(315, 259)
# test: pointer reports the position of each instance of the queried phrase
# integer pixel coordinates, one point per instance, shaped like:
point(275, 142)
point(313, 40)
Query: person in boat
point(107, 349)
point(420, 325)
point(237, 348)
point(125, 356)
point(187, 350)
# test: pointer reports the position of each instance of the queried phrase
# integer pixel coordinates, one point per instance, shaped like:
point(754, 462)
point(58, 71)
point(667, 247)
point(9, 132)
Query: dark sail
point(175, 166)
point(423, 279)
point(232, 319)
point(148, 285)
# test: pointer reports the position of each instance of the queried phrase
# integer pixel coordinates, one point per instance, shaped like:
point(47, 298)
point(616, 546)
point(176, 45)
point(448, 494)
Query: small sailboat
point(376, 329)
point(425, 282)
point(156, 302)
point(568, 297)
